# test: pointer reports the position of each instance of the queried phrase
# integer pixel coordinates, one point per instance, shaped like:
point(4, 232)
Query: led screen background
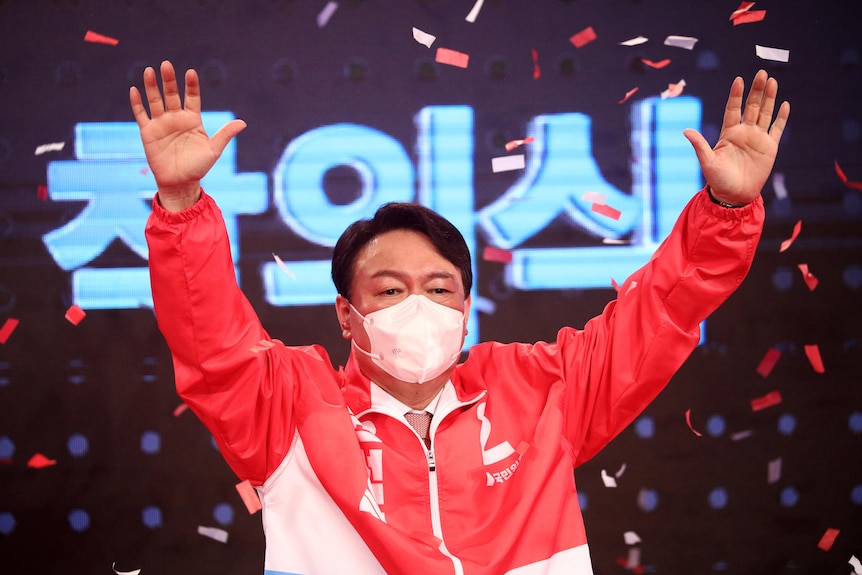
point(132, 482)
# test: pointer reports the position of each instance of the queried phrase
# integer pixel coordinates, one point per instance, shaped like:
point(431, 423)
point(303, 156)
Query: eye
point(439, 291)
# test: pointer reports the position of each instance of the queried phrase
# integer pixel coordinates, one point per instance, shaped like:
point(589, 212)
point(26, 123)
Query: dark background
point(110, 380)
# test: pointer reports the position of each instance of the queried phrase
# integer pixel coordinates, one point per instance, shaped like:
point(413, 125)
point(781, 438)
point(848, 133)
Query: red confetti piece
point(786, 243)
point(657, 65)
point(537, 72)
point(688, 421)
point(38, 461)
point(452, 57)
point(810, 279)
point(522, 448)
point(615, 285)
point(768, 362)
point(624, 562)
point(515, 143)
point(768, 400)
point(813, 354)
point(744, 7)
point(249, 496)
point(178, 410)
point(606, 211)
point(828, 539)
point(42, 192)
point(493, 254)
point(97, 38)
point(8, 327)
point(75, 314)
point(583, 37)
point(628, 95)
point(849, 184)
point(749, 17)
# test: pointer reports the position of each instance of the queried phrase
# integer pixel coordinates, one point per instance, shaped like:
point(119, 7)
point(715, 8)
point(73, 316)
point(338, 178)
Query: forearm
point(199, 306)
point(643, 337)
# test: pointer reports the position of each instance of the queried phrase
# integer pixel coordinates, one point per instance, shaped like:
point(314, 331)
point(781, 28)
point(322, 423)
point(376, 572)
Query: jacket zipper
point(436, 524)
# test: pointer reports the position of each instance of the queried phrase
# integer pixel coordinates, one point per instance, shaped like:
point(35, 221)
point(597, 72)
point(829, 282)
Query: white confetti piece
point(485, 305)
point(507, 163)
point(471, 17)
point(622, 468)
point(739, 435)
point(114, 567)
point(773, 473)
point(608, 480)
point(284, 267)
point(326, 14)
point(594, 198)
point(52, 147)
point(673, 90)
point(779, 186)
point(686, 42)
point(775, 54)
point(219, 535)
point(857, 566)
point(635, 41)
point(423, 38)
point(634, 558)
point(631, 538)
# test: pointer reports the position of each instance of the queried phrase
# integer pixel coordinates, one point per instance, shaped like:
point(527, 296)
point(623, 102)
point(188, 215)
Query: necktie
point(421, 422)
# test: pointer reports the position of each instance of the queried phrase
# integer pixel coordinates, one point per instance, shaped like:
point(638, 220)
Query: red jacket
point(348, 487)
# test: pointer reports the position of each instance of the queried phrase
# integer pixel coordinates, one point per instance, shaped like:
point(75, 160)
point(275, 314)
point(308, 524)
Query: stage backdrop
point(750, 462)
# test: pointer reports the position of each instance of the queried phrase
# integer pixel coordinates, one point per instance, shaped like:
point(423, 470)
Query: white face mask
point(415, 340)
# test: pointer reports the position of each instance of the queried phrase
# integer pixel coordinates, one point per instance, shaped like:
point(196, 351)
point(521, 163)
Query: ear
point(342, 310)
point(467, 303)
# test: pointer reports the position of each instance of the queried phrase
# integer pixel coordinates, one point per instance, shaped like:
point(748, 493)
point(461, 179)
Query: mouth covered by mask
point(415, 340)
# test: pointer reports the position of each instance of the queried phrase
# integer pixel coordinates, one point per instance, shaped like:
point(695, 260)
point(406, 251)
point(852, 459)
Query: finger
point(138, 109)
point(777, 128)
point(767, 106)
point(171, 88)
point(193, 91)
point(733, 110)
point(154, 96)
point(755, 98)
point(701, 146)
point(225, 134)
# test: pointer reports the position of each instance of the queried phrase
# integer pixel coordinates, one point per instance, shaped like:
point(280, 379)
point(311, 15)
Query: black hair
point(444, 236)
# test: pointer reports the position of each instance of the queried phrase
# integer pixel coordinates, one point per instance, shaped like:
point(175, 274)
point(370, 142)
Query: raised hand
point(739, 165)
point(178, 149)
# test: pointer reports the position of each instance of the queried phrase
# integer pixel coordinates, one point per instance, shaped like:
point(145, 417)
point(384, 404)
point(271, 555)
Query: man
point(348, 485)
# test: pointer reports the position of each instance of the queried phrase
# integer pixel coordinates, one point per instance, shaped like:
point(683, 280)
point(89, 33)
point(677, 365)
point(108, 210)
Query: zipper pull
point(432, 464)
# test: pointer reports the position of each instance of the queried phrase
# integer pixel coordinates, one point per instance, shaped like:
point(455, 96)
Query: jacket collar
point(357, 387)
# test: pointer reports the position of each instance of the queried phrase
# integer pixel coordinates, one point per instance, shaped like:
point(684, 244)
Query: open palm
point(178, 149)
point(740, 163)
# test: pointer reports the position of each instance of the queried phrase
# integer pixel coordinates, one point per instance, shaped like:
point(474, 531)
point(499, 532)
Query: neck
point(413, 395)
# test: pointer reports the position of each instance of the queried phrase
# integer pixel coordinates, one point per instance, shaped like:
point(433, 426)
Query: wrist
point(177, 200)
point(721, 202)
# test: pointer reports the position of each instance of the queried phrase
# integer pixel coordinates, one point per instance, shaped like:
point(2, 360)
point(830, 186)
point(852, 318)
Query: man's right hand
point(178, 149)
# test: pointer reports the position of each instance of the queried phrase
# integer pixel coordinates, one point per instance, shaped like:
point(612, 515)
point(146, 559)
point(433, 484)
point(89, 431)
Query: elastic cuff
point(720, 203)
point(186, 215)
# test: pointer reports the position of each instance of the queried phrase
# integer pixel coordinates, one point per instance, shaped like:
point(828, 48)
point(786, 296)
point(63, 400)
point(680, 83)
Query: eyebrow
point(401, 275)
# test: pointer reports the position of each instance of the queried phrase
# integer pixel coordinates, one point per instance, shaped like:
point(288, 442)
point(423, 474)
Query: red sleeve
point(623, 358)
point(243, 394)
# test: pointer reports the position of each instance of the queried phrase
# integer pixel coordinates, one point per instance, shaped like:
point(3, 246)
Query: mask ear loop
point(353, 343)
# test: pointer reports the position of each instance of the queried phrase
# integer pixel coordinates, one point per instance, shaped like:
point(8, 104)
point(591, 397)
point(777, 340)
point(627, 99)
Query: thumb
point(700, 145)
point(225, 134)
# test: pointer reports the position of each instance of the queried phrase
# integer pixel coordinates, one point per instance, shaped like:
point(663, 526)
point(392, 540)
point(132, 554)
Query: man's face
point(389, 268)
